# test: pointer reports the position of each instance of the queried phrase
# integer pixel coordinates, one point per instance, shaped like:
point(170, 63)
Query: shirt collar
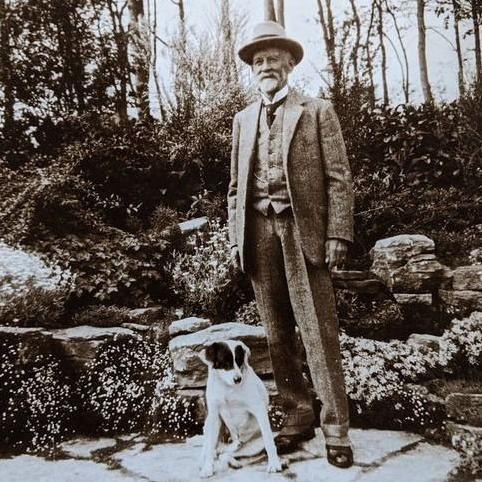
point(281, 94)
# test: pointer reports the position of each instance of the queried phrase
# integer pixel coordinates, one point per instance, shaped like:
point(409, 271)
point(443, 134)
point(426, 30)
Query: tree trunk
point(406, 82)
point(228, 41)
point(356, 47)
point(422, 55)
point(155, 74)
point(139, 56)
point(280, 12)
point(369, 57)
point(475, 7)
point(329, 32)
point(6, 70)
point(460, 59)
point(386, 99)
point(269, 10)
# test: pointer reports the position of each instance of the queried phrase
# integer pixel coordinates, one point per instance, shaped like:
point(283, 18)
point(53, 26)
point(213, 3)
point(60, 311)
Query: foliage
point(36, 408)
point(203, 278)
point(248, 314)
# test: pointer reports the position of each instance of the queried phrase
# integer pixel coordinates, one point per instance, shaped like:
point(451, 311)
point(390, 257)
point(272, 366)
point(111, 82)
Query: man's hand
point(235, 261)
point(336, 250)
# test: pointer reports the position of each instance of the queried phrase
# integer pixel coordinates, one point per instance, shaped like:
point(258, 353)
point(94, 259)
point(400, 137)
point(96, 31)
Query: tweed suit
point(284, 254)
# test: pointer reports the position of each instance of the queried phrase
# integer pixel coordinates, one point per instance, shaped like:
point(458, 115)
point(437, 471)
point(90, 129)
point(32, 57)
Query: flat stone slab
point(188, 325)
point(468, 300)
point(467, 278)
point(83, 447)
point(192, 225)
point(26, 468)
point(414, 298)
point(424, 463)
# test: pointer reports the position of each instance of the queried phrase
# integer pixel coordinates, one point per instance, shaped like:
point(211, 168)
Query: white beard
point(269, 85)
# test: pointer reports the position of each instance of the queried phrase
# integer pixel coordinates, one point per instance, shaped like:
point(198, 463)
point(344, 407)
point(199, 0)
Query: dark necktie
point(271, 110)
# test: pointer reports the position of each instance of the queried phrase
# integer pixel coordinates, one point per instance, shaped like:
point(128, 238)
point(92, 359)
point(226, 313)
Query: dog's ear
point(209, 353)
point(242, 353)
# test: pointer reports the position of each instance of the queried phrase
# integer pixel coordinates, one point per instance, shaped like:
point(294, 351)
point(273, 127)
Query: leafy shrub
point(36, 403)
point(35, 307)
point(204, 278)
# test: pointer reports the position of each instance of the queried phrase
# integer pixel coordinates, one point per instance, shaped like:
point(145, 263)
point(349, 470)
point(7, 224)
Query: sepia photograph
point(240, 240)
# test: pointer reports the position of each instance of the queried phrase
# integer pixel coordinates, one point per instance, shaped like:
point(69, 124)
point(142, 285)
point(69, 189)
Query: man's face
point(271, 68)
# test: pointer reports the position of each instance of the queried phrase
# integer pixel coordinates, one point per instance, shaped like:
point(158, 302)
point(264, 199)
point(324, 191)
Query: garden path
point(380, 456)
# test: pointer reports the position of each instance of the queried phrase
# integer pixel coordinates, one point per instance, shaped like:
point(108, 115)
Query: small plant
point(469, 446)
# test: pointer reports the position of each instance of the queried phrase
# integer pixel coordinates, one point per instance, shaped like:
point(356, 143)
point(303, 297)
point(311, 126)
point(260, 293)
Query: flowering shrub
point(36, 405)
point(374, 370)
point(461, 344)
point(469, 446)
point(203, 278)
point(248, 314)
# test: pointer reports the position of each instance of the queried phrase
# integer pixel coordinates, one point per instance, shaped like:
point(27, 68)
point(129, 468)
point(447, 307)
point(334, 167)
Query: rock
point(188, 325)
point(141, 329)
point(151, 312)
point(407, 264)
point(31, 342)
point(358, 281)
point(465, 300)
point(467, 278)
point(191, 372)
point(414, 298)
point(79, 345)
point(465, 408)
point(429, 341)
point(197, 224)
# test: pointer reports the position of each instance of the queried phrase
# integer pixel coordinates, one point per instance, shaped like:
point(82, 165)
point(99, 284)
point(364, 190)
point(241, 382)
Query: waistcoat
point(269, 180)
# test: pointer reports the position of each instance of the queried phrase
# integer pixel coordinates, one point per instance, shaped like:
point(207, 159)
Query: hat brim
point(247, 52)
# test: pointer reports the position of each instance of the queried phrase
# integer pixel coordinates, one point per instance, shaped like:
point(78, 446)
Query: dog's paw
point(207, 471)
point(274, 466)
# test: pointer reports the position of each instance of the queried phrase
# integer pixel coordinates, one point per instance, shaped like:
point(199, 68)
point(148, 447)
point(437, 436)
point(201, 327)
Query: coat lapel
point(248, 141)
point(292, 114)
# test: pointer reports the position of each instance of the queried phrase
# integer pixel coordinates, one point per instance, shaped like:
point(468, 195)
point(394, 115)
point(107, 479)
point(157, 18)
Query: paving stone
point(26, 468)
point(83, 447)
point(424, 463)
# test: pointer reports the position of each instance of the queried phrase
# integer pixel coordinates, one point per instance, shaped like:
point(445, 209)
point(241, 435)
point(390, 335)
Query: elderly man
point(290, 207)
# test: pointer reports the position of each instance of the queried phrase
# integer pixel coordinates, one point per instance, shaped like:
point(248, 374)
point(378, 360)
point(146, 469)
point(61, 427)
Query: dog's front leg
point(211, 436)
point(274, 462)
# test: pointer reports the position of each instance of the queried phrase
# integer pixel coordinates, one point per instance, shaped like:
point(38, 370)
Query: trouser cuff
point(336, 435)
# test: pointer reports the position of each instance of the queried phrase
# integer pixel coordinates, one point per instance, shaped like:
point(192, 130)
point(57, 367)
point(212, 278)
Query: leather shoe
point(286, 443)
point(339, 456)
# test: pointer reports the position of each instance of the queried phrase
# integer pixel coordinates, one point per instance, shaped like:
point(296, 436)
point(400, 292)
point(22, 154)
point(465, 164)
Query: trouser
point(289, 290)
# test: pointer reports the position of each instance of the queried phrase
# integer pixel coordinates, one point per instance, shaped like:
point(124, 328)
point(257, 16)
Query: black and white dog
point(236, 396)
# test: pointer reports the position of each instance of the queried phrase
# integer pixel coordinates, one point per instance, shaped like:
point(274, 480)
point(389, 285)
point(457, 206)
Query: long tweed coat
point(317, 173)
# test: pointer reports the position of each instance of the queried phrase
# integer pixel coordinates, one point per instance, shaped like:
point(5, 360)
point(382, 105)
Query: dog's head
point(229, 358)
